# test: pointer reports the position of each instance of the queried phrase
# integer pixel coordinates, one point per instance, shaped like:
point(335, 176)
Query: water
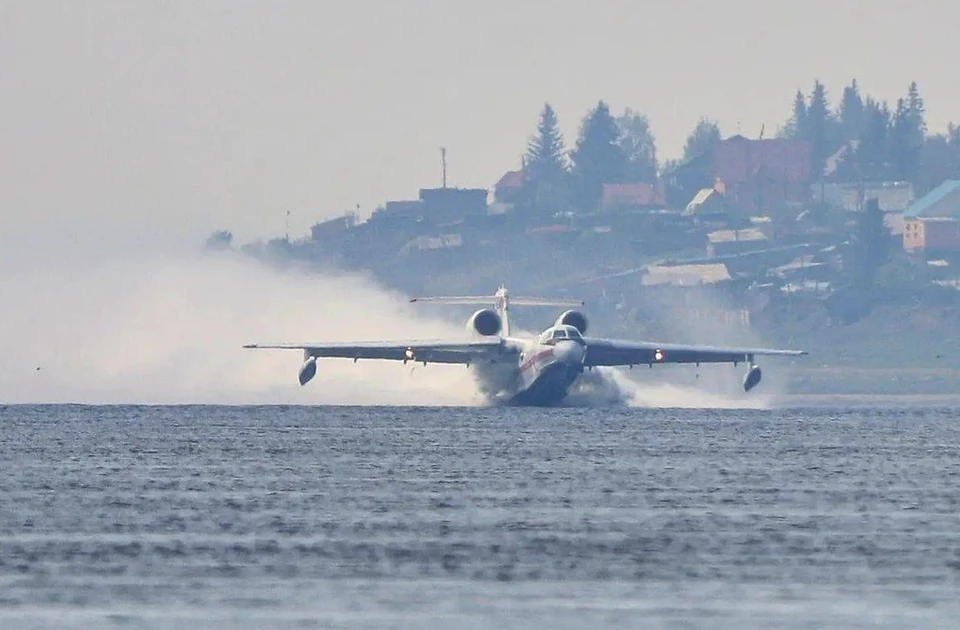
point(262, 517)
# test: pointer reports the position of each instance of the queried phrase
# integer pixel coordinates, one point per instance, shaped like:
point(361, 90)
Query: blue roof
point(920, 207)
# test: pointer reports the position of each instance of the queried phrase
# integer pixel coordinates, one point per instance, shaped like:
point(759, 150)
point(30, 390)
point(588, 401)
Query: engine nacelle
point(573, 318)
point(308, 370)
point(485, 322)
point(752, 378)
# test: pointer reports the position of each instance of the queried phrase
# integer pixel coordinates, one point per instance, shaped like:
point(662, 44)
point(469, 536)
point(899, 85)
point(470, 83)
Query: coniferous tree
point(871, 244)
point(638, 146)
point(953, 135)
point(872, 154)
point(907, 135)
point(851, 112)
point(819, 128)
point(939, 160)
point(917, 112)
point(546, 166)
point(903, 153)
point(797, 127)
point(598, 158)
point(702, 139)
point(546, 157)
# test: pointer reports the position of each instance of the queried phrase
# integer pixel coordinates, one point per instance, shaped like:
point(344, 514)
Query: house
point(760, 176)
point(708, 208)
point(633, 196)
point(727, 242)
point(509, 188)
point(932, 223)
point(332, 229)
point(443, 205)
point(411, 209)
point(426, 243)
point(686, 275)
point(895, 197)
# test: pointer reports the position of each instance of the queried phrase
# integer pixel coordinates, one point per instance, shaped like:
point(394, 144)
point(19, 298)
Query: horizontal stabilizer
point(491, 299)
point(533, 301)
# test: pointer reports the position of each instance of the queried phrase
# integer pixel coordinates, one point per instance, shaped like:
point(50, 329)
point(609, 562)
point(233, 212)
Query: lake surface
point(387, 517)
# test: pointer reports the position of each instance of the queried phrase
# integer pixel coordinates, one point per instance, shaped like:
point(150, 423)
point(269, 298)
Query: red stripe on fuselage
point(537, 358)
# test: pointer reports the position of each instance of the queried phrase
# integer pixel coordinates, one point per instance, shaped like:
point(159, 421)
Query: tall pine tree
point(597, 158)
point(546, 157)
point(917, 112)
point(820, 126)
point(872, 154)
point(871, 245)
point(546, 164)
point(907, 134)
point(797, 127)
point(901, 155)
point(851, 112)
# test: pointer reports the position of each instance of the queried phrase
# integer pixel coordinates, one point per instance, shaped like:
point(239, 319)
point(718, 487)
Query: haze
point(141, 123)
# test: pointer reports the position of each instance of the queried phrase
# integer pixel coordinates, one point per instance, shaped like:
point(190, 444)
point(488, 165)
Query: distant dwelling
point(708, 207)
point(686, 275)
point(332, 229)
point(426, 243)
point(408, 209)
point(852, 196)
point(444, 205)
point(727, 242)
point(633, 196)
point(894, 198)
point(436, 206)
point(509, 189)
point(760, 177)
point(931, 223)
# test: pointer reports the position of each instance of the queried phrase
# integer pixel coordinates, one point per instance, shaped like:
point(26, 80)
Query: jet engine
point(573, 318)
point(485, 322)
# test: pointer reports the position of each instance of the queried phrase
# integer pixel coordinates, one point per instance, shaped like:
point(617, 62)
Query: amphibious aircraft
point(537, 371)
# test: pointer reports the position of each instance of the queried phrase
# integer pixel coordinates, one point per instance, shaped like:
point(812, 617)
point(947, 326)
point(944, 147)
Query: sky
point(158, 122)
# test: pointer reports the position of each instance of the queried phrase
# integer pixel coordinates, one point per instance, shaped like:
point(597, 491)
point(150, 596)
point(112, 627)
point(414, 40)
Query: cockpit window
point(574, 333)
point(560, 333)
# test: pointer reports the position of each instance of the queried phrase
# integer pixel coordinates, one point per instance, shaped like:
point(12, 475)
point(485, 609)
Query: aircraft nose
point(569, 352)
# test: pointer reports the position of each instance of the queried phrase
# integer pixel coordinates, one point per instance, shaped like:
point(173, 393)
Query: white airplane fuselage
point(543, 374)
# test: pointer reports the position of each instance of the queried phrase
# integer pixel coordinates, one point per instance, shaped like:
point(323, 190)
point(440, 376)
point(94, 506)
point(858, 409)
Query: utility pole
point(286, 227)
point(443, 163)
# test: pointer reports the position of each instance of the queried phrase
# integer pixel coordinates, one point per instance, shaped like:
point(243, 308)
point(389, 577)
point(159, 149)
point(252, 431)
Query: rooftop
point(634, 194)
point(735, 236)
point(929, 205)
point(686, 275)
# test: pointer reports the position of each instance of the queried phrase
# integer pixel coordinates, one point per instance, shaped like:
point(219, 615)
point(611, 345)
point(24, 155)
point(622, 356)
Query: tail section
point(501, 301)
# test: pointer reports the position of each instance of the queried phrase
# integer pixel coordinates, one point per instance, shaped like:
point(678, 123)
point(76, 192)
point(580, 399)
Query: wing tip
point(250, 345)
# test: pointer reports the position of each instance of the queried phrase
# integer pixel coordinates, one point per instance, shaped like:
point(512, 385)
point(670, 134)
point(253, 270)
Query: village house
point(758, 176)
point(509, 188)
point(730, 242)
point(931, 225)
point(633, 196)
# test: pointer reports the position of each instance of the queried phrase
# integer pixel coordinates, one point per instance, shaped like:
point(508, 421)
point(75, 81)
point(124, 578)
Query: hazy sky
point(184, 117)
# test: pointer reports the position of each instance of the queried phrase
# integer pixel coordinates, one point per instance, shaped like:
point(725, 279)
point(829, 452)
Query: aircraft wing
point(431, 351)
point(614, 352)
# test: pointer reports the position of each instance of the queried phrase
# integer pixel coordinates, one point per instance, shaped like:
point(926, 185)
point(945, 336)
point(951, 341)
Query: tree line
point(860, 139)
